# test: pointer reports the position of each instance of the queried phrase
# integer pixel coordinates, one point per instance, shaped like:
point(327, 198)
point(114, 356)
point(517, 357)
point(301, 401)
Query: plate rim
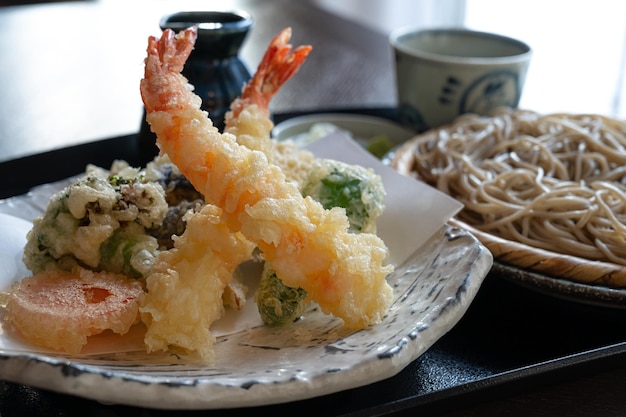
point(117, 386)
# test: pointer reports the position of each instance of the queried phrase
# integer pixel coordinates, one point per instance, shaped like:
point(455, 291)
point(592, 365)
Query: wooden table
point(70, 76)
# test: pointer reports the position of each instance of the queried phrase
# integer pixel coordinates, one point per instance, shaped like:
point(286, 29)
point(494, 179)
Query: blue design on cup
point(409, 116)
point(494, 89)
point(449, 90)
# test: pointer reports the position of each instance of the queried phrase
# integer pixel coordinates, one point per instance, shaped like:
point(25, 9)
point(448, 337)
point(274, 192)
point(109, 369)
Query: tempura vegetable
point(356, 189)
point(277, 303)
point(99, 223)
point(61, 309)
point(180, 196)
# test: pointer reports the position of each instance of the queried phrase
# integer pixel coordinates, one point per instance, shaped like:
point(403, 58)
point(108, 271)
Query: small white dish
point(361, 127)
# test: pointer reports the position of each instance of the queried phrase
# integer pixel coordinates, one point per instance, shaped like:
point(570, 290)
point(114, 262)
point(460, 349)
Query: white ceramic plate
point(262, 366)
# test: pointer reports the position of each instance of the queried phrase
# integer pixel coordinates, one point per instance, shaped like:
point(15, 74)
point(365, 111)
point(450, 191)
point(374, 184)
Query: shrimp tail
point(280, 62)
point(166, 58)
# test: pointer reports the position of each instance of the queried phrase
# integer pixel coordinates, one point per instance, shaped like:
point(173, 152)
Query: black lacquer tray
point(510, 336)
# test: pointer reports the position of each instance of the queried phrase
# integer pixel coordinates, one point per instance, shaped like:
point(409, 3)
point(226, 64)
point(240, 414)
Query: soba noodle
point(556, 182)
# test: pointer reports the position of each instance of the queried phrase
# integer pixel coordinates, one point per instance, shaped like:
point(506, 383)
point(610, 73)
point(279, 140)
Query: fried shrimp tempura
point(249, 118)
point(308, 246)
point(184, 291)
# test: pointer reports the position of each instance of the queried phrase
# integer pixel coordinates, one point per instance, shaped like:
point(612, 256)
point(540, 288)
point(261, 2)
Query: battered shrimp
point(279, 63)
point(309, 247)
point(186, 286)
point(249, 117)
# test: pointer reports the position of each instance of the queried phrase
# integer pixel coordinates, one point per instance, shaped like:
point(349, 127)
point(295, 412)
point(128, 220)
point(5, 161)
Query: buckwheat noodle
point(556, 182)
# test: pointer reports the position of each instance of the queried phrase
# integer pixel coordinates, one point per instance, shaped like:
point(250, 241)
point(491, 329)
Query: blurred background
point(579, 46)
point(70, 70)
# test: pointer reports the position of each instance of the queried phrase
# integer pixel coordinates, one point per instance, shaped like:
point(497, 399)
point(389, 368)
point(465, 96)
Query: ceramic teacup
point(444, 72)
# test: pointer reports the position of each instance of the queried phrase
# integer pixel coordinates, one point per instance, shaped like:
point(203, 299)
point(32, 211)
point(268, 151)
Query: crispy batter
point(184, 292)
point(60, 309)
